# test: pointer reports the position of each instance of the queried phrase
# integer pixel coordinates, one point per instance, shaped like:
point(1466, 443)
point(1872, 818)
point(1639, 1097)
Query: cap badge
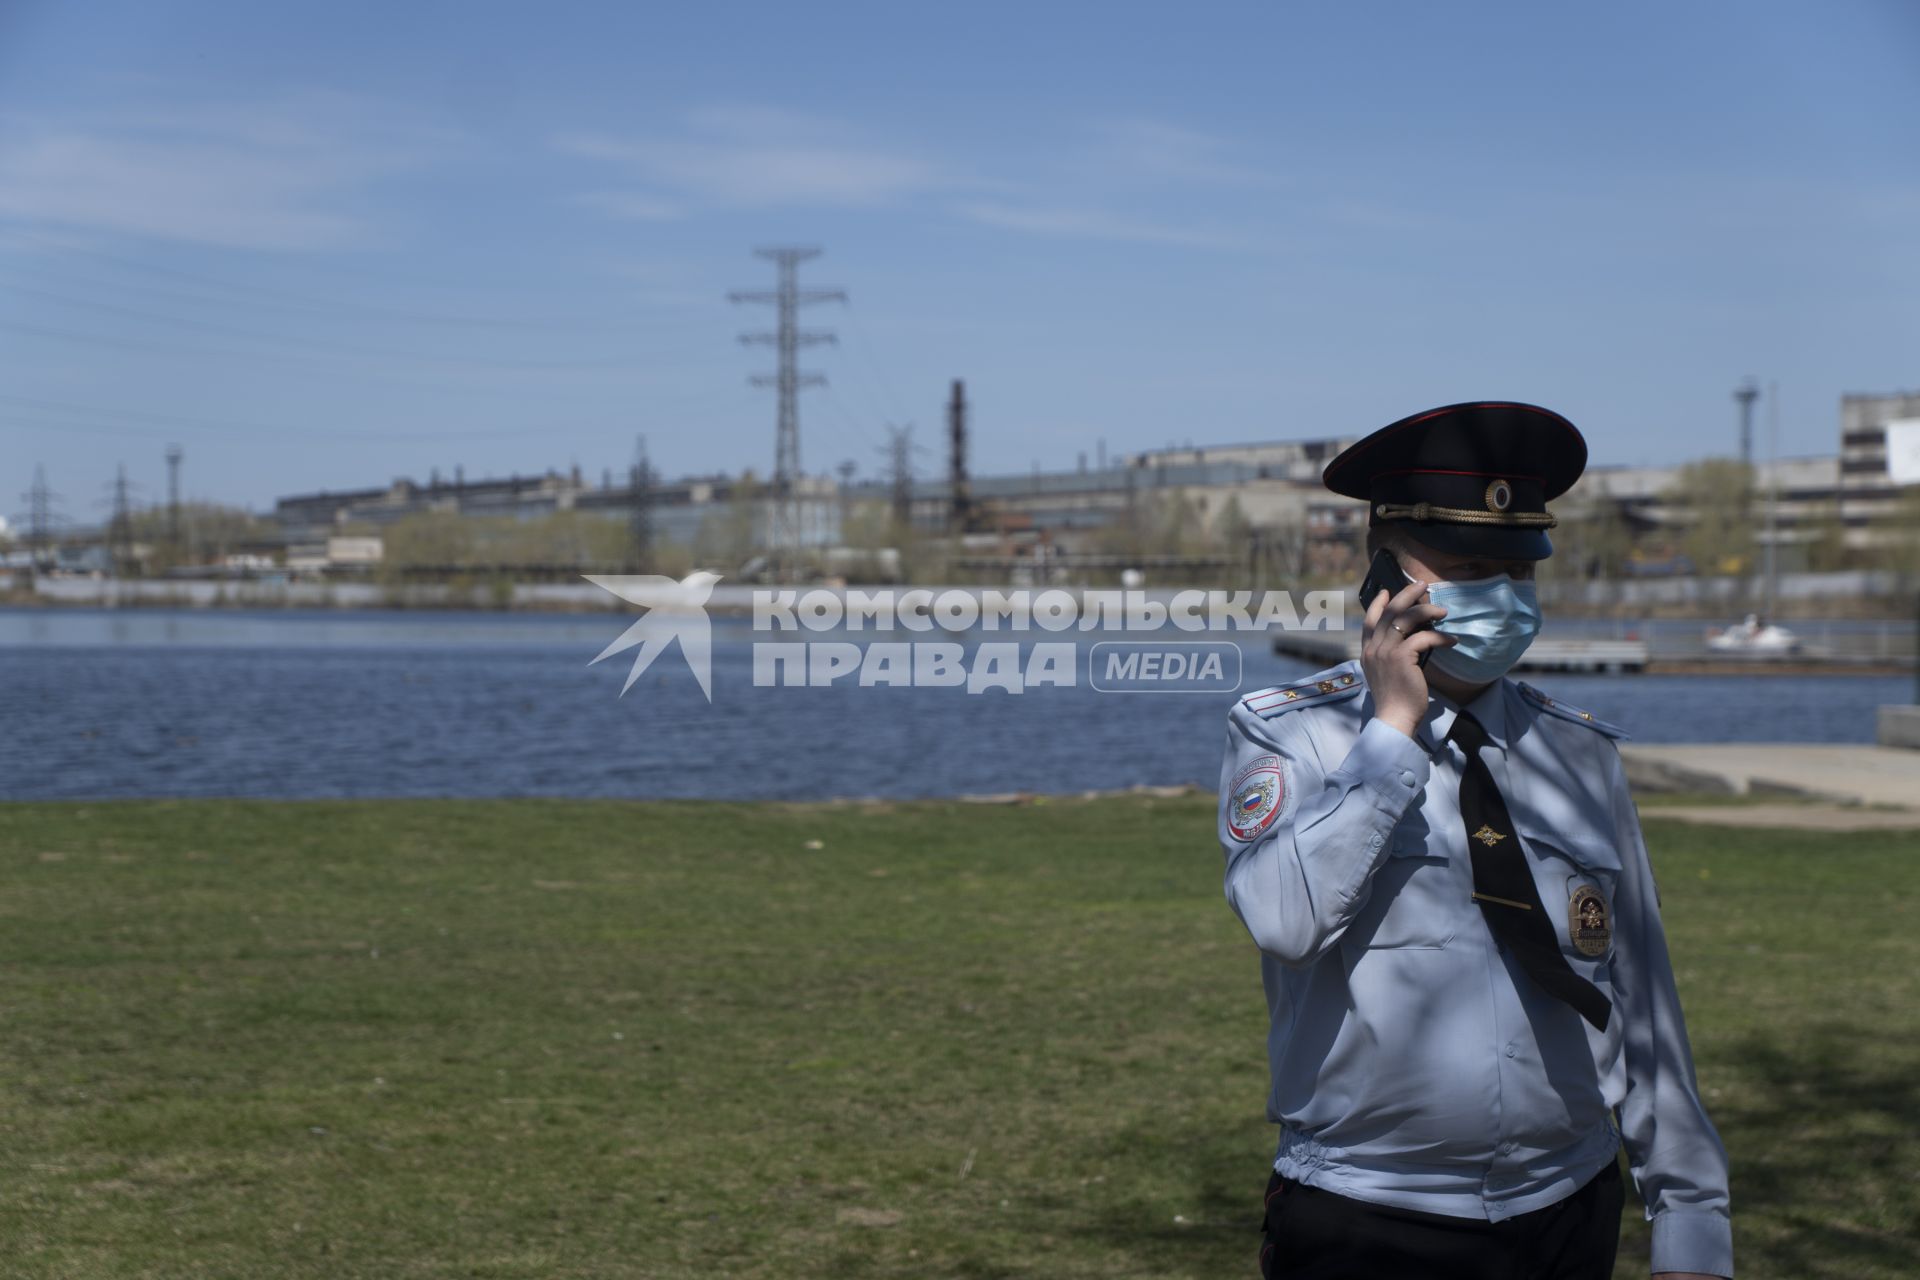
point(1499, 496)
point(1588, 927)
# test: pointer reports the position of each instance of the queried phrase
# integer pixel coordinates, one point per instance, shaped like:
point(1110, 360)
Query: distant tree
point(1716, 495)
point(871, 527)
point(565, 538)
point(1594, 541)
point(1897, 536)
point(671, 559)
point(209, 532)
point(432, 539)
point(1178, 526)
point(1156, 524)
point(731, 533)
point(1127, 533)
point(1825, 538)
point(1232, 529)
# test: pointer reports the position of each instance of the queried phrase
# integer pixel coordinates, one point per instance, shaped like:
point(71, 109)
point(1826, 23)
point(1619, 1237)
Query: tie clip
point(1505, 902)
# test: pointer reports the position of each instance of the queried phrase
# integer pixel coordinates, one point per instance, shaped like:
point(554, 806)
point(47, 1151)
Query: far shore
point(734, 599)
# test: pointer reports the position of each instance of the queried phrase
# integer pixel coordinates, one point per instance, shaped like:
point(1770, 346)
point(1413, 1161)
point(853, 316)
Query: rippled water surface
point(101, 703)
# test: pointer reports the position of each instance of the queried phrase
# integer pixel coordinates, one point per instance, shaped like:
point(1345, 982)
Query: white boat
point(1754, 639)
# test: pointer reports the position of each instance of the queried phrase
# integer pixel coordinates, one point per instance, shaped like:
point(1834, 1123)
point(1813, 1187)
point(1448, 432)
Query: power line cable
point(161, 348)
point(894, 403)
point(840, 410)
point(286, 296)
point(171, 423)
point(608, 327)
point(276, 434)
point(250, 335)
point(871, 393)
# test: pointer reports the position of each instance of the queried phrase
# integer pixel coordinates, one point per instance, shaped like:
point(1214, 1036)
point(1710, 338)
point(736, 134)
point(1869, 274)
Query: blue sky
point(325, 245)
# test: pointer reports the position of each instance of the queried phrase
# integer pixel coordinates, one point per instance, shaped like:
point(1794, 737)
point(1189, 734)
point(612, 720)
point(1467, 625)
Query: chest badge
point(1488, 836)
point(1589, 924)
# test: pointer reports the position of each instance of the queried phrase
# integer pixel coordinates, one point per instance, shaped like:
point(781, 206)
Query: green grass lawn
point(545, 1039)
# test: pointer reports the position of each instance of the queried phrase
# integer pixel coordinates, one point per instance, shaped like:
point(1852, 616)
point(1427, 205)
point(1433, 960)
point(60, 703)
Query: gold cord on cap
point(1461, 515)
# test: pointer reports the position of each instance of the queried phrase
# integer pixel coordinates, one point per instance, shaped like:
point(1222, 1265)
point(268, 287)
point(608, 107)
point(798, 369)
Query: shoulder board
point(1335, 684)
point(1566, 711)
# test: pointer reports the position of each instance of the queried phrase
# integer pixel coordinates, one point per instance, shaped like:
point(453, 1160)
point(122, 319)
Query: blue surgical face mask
point(1492, 620)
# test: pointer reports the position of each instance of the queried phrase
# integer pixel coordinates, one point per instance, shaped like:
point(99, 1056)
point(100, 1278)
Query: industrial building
point(1271, 487)
point(1879, 458)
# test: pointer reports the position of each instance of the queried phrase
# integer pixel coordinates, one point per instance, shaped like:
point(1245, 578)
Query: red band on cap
point(1435, 471)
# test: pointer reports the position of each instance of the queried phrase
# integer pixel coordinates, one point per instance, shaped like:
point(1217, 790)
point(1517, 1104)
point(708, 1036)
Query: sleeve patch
point(1256, 797)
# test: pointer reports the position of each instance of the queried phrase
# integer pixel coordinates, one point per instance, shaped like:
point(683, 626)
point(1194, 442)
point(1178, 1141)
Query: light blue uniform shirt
point(1414, 1063)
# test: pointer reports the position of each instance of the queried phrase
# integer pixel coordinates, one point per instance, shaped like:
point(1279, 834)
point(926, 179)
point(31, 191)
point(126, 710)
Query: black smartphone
point(1385, 574)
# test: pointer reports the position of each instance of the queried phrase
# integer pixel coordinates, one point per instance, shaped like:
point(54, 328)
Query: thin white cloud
point(1092, 224)
point(633, 205)
point(668, 284)
point(756, 157)
point(1149, 169)
point(743, 156)
point(1137, 150)
point(756, 120)
point(281, 175)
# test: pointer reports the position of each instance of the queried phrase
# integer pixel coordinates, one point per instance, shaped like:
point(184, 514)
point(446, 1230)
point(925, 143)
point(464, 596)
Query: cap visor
point(1496, 542)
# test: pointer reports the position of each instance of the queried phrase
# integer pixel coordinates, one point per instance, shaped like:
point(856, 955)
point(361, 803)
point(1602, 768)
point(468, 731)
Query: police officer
point(1472, 1003)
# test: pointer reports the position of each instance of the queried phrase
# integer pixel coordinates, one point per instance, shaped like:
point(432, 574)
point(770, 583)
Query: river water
point(124, 703)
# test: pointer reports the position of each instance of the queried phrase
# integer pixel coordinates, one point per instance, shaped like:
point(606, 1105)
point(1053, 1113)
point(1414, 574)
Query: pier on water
point(1597, 656)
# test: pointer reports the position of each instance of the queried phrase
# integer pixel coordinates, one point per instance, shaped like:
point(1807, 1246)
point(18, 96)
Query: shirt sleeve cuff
point(1685, 1240)
point(1389, 764)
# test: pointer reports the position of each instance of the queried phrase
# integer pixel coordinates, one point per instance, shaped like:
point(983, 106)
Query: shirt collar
point(1489, 707)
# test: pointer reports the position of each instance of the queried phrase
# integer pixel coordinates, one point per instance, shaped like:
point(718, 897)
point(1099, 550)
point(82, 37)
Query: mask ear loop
point(1399, 564)
point(1490, 580)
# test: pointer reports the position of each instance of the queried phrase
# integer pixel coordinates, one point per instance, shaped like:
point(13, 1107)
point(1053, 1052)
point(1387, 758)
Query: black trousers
point(1316, 1235)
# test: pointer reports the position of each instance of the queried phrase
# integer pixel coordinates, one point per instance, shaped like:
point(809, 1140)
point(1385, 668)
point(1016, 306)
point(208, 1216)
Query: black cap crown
point(1473, 479)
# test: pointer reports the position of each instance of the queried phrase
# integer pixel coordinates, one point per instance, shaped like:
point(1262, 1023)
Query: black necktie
point(1503, 884)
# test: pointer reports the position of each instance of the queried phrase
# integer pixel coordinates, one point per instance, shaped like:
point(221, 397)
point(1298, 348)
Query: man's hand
point(1390, 649)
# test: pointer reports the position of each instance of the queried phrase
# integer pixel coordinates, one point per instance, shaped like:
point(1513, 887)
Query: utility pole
point(120, 528)
point(174, 455)
point(1771, 559)
point(40, 517)
point(1745, 394)
point(847, 468)
point(787, 338)
point(960, 512)
point(899, 455)
point(640, 481)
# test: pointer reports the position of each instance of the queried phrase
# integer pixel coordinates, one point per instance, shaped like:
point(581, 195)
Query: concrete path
point(1796, 817)
point(1846, 775)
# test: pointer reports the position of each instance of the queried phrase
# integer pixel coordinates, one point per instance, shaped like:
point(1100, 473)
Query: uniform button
point(1509, 1051)
point(1406, 777)
point(1506, 1148)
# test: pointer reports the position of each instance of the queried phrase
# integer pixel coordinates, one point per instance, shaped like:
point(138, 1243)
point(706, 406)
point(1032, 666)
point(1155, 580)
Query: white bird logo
point(674, 610)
